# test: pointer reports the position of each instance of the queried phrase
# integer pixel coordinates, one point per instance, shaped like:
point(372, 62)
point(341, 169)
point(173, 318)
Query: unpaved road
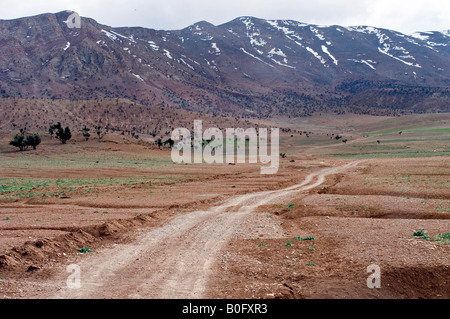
point(174, 261)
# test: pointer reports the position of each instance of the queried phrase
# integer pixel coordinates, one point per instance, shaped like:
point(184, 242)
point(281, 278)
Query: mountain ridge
point(246, 67)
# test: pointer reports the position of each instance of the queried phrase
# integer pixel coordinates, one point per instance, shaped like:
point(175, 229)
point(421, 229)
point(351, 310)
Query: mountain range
point(247, 67)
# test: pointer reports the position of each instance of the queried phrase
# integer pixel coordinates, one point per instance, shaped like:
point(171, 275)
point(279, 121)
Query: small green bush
point(421, 234)
point(84, 250)
point(306, 238)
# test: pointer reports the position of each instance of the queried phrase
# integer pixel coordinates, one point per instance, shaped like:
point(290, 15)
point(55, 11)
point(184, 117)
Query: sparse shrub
point(100, 132)
point(442, 238)
point(289, 206)
point(306, 238)
point(421, 234)
point(84, 250)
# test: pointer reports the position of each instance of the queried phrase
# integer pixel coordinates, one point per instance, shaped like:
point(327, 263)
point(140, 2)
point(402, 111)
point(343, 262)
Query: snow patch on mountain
point(366, 62)
point(387, 44)
point(291, 35)
point(277, 52)
point(255, 57)
point(138, 77)
point(215, 49)
point(317, 55)
point(382, 38)
point(131, 38)
point(214, 46)
point(153, 45)
point(317, 34)
point(325, 50)
point(285, 30)
point(420, 36)
point(283, 64)
point(109, 35)
point(385, 51)
point(167, 54)
point(434, 44)
point(252, 34)
point(187, 64)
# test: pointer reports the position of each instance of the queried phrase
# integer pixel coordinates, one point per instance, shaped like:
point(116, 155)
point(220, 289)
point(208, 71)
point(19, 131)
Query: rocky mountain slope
point(246, 67)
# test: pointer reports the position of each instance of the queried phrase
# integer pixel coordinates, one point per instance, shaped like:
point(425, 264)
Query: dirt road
point(175, 261)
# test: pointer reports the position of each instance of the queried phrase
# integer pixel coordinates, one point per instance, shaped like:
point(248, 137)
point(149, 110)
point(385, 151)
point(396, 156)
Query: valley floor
point(139, 226)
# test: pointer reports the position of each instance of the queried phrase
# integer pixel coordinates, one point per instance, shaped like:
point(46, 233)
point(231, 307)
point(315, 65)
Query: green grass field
point(394, 138)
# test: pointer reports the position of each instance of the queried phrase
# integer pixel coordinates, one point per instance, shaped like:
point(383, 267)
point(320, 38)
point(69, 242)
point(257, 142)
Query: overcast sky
point(406, 16)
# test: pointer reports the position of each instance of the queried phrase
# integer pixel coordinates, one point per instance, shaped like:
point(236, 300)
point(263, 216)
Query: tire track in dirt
point(174, 261)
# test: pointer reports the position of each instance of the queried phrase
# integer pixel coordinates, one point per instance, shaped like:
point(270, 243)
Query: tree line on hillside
point(23, 140)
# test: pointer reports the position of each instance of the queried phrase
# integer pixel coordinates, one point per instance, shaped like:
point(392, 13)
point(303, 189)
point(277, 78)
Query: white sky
point(400, 15)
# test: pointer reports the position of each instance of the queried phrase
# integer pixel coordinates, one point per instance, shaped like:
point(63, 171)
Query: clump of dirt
point(37, 254)
point(418, 282)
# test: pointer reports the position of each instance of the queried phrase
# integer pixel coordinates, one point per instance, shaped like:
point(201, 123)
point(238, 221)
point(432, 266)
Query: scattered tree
point(18, 141)
point(22, 141)
point(33, 140)
point(86, 134)
point(52, 128)
point(100, 132)
point(170, 142)
point(159, 142)
point(62, 134)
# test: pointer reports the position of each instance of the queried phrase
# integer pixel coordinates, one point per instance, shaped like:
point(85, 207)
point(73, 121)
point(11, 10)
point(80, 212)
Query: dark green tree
point(23, 141)
point(33, 140)
point(54, 127)
point(86, 132)
point(159, 142)
point(19, 141)
point(63, 134)
point(170, 142)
